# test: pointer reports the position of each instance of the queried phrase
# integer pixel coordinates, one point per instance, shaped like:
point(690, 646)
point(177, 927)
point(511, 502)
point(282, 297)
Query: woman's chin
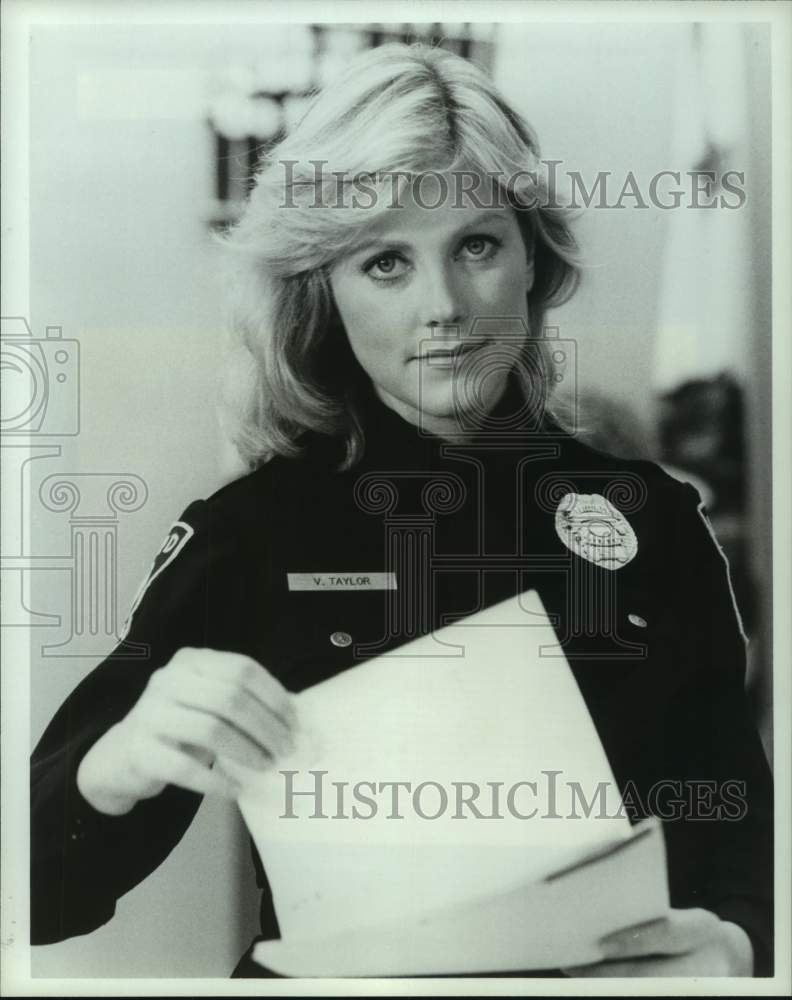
point(462, 397)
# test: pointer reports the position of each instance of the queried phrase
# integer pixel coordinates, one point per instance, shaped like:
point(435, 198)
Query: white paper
point(488, 699)
point(548, 924)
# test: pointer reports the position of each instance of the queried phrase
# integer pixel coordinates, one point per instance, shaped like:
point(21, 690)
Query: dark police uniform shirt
point(653, 639)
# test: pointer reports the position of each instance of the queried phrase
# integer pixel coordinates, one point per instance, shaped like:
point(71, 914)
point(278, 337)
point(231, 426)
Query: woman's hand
point(685, 943)
point(201, 704)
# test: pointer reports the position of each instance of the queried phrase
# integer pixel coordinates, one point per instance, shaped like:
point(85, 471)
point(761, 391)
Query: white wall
point(600, 99)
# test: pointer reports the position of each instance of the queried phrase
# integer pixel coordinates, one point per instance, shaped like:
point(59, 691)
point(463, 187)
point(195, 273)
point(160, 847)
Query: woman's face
point(434, 303)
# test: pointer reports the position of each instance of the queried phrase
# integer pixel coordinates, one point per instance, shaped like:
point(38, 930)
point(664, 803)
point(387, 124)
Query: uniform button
point(341, 639)
point(637, 621)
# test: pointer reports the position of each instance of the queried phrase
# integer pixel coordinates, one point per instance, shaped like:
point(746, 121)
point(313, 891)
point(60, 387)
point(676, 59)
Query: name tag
point(341, 581)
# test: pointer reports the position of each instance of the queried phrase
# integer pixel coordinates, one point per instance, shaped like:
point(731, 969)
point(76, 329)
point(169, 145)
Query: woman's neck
point(456, 426)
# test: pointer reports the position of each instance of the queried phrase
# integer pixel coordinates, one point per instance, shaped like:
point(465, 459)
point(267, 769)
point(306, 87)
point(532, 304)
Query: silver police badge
point(592, 528)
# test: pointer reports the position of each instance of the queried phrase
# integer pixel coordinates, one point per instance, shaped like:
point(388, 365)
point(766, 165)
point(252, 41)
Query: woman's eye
point(385, 267)
point(480, 247)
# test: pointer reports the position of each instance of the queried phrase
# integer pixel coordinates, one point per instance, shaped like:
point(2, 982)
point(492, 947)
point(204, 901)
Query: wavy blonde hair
point(397, 109)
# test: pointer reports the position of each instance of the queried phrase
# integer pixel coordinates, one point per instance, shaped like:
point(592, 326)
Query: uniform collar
point(391, 441)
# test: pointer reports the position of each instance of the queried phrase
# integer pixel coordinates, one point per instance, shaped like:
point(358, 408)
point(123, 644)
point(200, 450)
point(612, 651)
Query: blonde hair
point(397, 110)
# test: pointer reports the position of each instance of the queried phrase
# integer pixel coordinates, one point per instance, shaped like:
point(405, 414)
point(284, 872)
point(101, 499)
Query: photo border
point(19, 16)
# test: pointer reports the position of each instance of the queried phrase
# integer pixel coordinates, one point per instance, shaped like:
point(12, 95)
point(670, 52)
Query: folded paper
point(545, 925)
point(462, 767)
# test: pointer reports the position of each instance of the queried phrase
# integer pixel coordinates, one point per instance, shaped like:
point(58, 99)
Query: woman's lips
point(442, 357)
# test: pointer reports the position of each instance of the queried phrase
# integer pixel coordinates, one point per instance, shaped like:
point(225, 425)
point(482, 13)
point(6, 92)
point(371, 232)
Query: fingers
point(236, 707)
point(240, 774)
point(680, 932)
point(201, 704)
point(705, 962)
point(242, 671)
point(231, 703)
point(683, 943)
point(210, 735)
point(171, 766)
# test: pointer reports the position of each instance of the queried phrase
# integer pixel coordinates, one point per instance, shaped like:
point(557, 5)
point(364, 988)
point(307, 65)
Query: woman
point(391, 275)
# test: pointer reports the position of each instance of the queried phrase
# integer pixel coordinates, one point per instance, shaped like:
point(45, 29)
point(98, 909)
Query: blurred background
point(143, 139)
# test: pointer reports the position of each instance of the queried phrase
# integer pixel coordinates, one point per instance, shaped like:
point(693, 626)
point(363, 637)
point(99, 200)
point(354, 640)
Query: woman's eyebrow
point(383, 242)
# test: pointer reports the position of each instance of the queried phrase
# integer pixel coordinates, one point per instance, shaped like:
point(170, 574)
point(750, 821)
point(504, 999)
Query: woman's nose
point(443, 299)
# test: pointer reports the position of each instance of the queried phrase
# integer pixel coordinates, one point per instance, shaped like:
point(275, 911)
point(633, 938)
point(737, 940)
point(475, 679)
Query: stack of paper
point(431, 794)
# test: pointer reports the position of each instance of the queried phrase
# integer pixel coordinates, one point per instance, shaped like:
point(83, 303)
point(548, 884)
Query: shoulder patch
point(179, 534)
